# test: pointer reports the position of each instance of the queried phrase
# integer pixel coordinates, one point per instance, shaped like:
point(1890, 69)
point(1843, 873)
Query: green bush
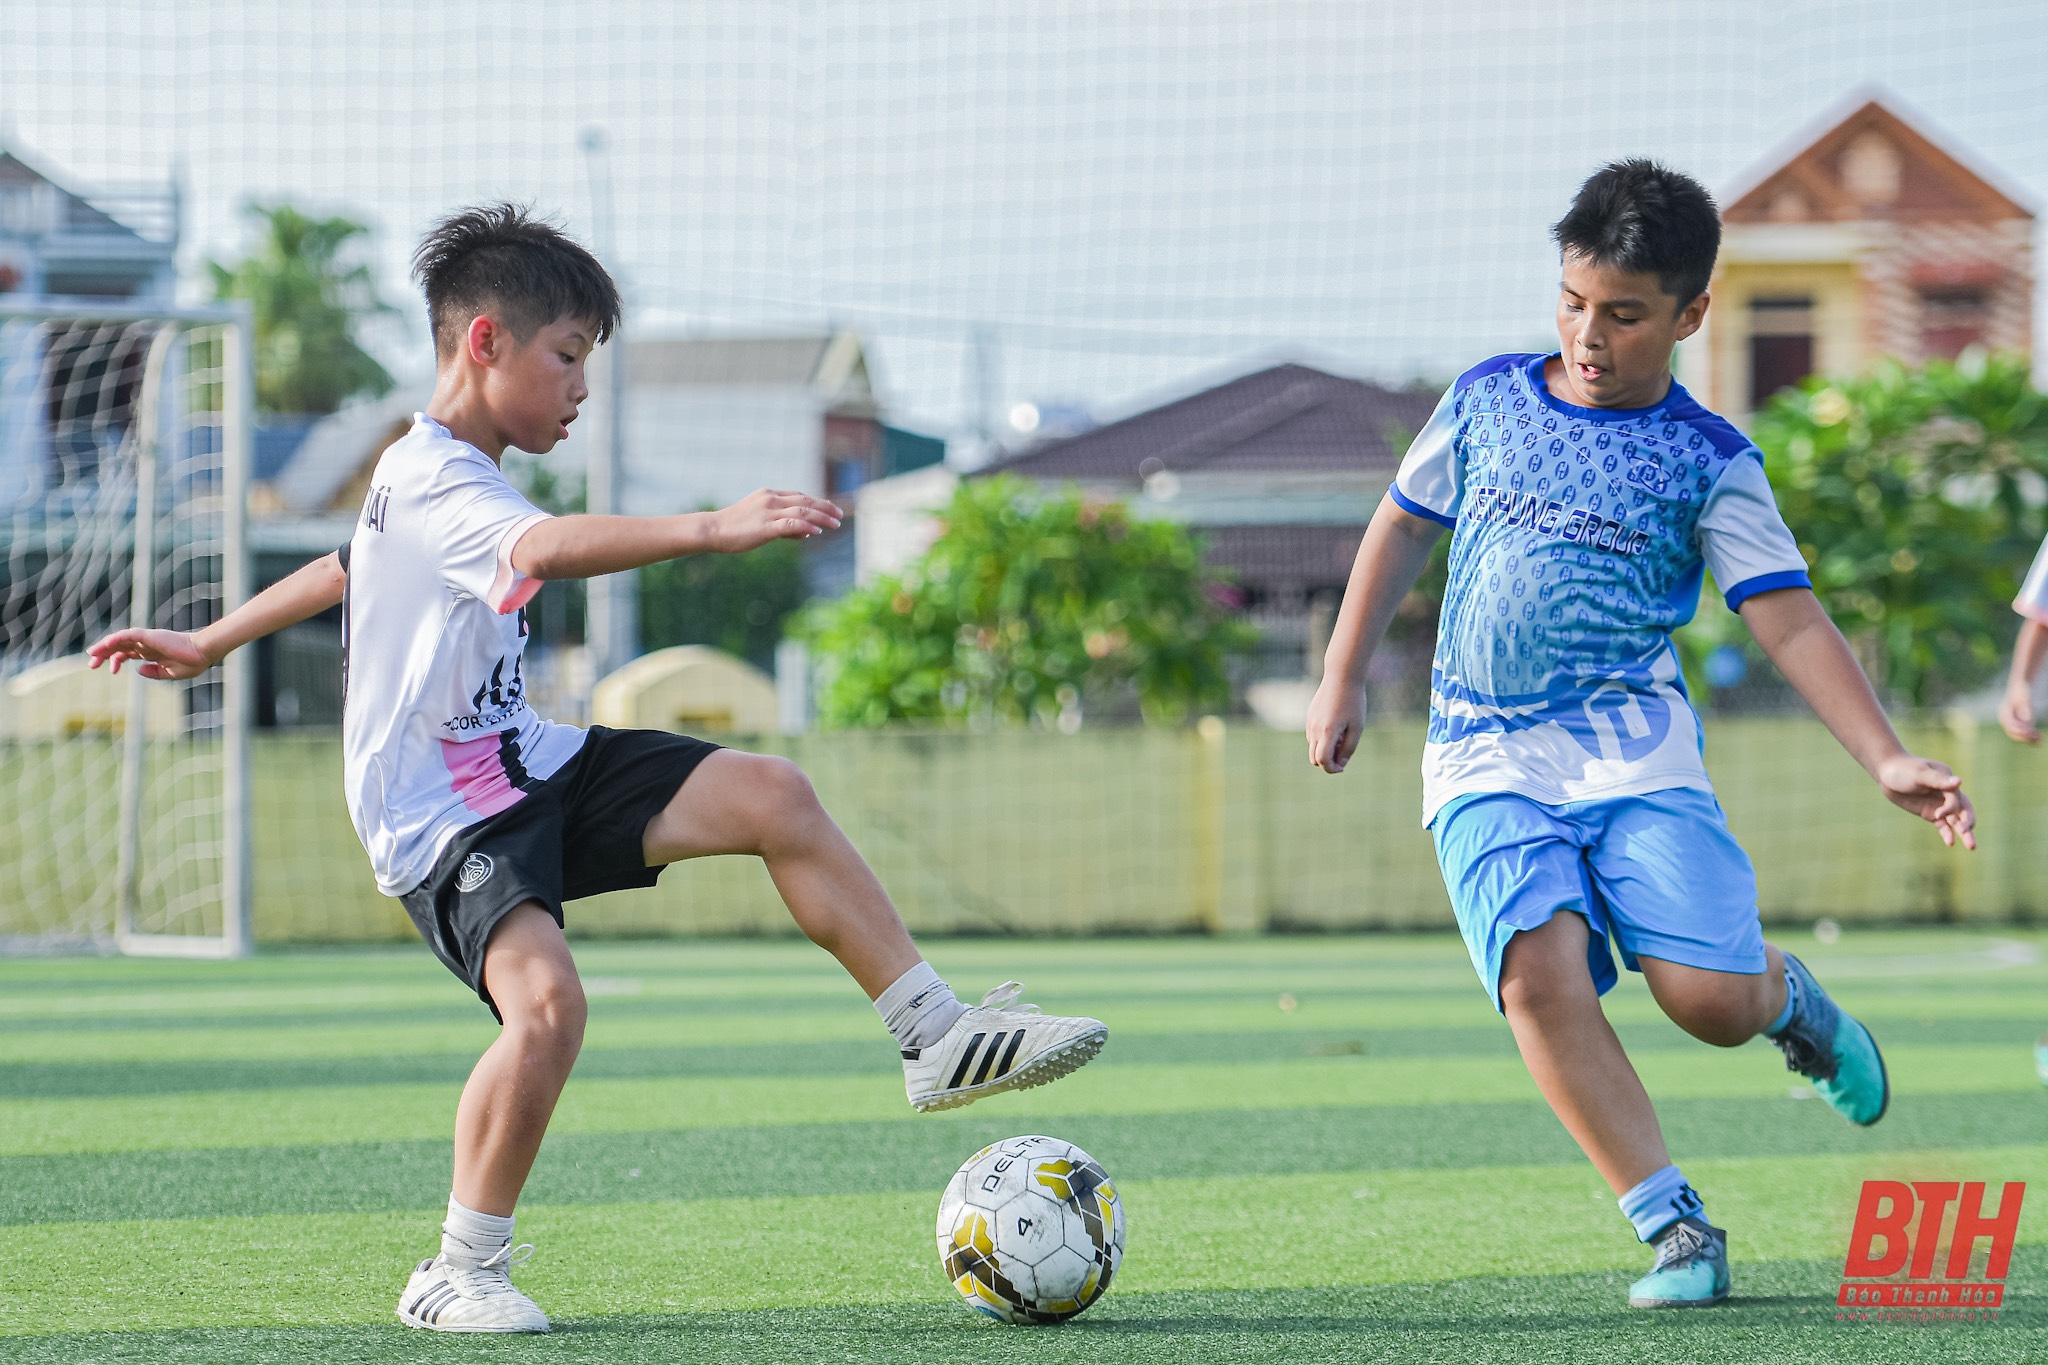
point(1023, 606)
point(1916, 496)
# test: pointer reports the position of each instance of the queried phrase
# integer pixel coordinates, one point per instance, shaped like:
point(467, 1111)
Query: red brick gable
point(1873, 165)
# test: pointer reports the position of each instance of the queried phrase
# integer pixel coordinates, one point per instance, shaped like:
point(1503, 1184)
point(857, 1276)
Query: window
point(1780, 345)
point(1951, 319)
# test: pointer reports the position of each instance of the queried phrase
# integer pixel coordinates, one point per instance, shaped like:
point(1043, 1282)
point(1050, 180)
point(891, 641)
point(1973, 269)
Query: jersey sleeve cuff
point(1414, 508)
point(2033, 611)
point(1767, 582)
point(511, 590)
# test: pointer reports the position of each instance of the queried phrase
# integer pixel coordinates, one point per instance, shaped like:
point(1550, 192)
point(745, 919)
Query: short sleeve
point(1744, 540)
point(2032, 602)
point(1431, 480)
point(476, 518)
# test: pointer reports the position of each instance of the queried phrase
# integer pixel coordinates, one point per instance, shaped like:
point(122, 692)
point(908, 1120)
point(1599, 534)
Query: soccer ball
point(1031, 1230)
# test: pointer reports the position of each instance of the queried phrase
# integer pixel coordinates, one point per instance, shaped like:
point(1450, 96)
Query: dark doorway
point(1780, 345)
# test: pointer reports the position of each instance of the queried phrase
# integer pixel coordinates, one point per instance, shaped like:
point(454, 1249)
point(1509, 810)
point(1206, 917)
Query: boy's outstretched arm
point(2016, 711)
point(1794, 630)
point(1390, 558)
point(584, 546)
point(187, 654)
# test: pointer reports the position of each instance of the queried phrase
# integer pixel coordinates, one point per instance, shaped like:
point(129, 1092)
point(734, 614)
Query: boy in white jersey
point(1585, 492)
point(484, 818)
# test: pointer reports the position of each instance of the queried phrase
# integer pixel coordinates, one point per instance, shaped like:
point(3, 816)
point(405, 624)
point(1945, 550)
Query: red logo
point(1900, 1266)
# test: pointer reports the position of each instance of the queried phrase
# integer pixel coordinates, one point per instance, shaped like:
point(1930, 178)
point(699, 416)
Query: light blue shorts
point(1659, 872)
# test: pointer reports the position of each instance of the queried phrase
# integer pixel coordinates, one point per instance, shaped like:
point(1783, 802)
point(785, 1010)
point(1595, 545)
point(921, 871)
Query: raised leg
point(759, 804)
point(1726, 1009)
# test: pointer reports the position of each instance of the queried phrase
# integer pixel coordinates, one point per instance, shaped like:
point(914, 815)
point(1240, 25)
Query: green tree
point(1024, 605)
point(308, 298)
point(1916, 496)
point(738, 603)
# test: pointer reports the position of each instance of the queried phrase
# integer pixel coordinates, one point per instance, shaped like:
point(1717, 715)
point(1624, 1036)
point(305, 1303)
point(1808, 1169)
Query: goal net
point(123, 480)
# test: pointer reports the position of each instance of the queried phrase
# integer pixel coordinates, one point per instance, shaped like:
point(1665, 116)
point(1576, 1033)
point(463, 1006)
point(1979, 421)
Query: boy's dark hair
point(1646, 219)
point(501, 259)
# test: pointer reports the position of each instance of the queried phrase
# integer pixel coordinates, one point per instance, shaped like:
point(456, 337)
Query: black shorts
point(578, 833)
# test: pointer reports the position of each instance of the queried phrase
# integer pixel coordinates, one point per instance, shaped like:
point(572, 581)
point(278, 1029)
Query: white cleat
point(997, 1046)
point(446, 1298)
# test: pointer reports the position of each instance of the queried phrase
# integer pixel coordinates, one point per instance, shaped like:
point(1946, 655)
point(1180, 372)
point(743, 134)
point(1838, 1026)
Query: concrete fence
point(1209, 829)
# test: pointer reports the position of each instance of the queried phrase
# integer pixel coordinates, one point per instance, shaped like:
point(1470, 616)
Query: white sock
point(918, 1008)
point(471, 1238)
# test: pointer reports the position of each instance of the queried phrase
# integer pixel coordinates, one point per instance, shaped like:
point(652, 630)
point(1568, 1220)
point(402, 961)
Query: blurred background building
point(1872, 239)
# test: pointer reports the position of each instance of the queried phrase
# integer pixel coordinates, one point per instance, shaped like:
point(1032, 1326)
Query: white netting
point(113, 792)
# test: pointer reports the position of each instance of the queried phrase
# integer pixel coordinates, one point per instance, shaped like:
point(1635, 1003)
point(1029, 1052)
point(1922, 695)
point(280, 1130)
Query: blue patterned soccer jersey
point(1578, 540)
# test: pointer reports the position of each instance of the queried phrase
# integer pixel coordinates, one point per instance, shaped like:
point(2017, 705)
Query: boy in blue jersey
point(1585, 492)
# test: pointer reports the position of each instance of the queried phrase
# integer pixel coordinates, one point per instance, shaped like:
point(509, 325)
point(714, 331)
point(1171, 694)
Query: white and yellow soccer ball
point(1031, 1230)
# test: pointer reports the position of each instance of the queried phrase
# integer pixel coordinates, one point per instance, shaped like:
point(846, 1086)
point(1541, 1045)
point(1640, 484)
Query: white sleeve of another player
point(1431, 480)
point(477, 517)
point(1744, 540)
point(2032, 602)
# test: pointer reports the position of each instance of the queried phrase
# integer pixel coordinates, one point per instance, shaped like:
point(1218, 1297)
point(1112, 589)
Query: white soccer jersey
point(1579, 536)
point(2033, 599)
point(436, 732)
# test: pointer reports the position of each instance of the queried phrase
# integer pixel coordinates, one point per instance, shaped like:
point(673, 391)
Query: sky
point(1092, 204)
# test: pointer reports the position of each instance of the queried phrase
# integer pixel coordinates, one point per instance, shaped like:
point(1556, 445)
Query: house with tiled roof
point(56, 242)
point(1873, 237)
point(1279, 470)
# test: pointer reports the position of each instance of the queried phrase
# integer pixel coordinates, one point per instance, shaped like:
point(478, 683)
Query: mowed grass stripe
point(872, 1057)
point(1778, 1317)
point(1861, 953)
point(398, 1112)
point(856, 1022)
point(1567, 1319)
point(836, 1158)
point(1388, 1226)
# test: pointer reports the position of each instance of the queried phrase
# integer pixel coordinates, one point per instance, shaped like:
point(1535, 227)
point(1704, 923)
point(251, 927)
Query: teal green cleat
point(1691, 1270)
point(1835, 1052)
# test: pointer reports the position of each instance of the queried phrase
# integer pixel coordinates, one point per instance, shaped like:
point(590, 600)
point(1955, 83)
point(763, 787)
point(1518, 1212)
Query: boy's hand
point(771, 514)
point(163, 654)
point(1932, 792)
point(1334, 720)
point(2016, 714)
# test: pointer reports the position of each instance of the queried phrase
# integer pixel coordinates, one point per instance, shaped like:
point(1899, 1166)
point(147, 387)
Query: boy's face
point(1615, 331)
point(533, 388)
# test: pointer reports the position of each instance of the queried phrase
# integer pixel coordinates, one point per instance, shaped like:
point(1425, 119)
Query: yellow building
point(1871, 240)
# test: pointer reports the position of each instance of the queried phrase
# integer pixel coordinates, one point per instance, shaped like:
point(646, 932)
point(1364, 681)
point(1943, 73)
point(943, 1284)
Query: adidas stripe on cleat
point(442, 1297)
point(997, 1046)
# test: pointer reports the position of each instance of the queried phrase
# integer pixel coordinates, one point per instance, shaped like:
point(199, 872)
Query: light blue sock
point(1777, 1026)
point(1659, 1201)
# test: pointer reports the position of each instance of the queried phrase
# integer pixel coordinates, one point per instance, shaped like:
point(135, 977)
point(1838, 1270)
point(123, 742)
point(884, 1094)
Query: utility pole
point(984, 387)
point(611, 607)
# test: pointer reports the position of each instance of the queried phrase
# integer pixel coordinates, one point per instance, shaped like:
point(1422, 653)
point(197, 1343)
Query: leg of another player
point(512, 1092)
point(756, 803)
point(1726, 1009)
point(1820, 1040)
point(1573, 1054)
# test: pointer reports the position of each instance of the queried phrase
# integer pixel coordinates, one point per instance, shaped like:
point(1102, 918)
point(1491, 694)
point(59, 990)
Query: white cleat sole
point(1048, 1066)
point(416, 1324)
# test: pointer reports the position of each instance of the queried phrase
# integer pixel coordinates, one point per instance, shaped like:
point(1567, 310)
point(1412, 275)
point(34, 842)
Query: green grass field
point(239, 1161)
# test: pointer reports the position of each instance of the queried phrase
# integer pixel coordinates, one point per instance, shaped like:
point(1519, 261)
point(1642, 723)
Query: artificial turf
point(1326, 1146)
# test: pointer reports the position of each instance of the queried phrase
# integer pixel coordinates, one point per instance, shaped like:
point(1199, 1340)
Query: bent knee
point(551, 1013)
point(780, 783)
point(779, 798)
point(1721, 1022)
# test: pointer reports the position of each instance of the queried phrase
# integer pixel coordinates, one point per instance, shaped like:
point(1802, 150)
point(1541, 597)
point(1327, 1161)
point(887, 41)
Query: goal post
point(125, 454)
